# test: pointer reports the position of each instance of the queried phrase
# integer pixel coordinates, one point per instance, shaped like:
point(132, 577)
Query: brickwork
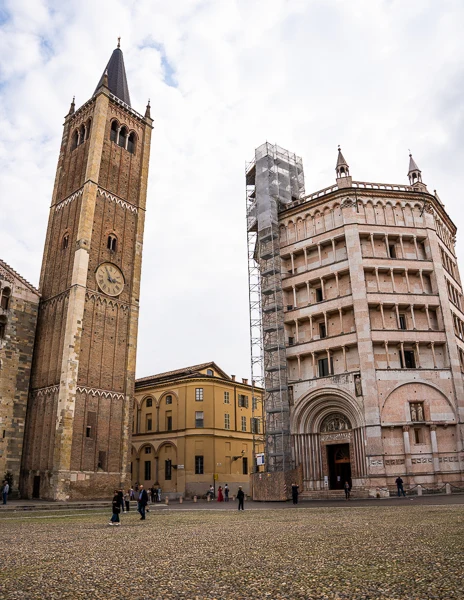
point(80, 405)
point(18, 317)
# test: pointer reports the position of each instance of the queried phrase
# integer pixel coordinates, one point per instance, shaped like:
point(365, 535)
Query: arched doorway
point(329, 440)
point(335, 440)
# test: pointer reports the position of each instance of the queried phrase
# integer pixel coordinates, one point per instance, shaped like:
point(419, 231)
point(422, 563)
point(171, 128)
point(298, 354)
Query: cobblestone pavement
point(395, 551)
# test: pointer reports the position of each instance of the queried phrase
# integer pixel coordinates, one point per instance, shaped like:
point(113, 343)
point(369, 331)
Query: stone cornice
point(378, 190)
point(124, 203)
point(44, 303)
point(62, 203)
point(96, 392)
point(102, 299)
point(45, 391)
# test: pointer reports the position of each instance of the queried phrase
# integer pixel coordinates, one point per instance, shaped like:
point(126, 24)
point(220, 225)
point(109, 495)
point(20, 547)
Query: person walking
point(5, 491)
point(143, 501)
point(210, 492)
point(127, 497)
point(240, 498)
point(220, 497)
point(399, 486)
point(295, 492)
point(347, 489)
point(158, 492)
point(116, 507)
point(226, 493)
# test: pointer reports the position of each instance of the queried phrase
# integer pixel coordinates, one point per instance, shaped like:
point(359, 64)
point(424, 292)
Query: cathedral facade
point(363, 328)
point(79, 413)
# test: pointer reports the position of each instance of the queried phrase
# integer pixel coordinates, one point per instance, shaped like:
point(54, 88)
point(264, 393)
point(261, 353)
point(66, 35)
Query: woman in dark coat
point(116, 509)
point(240, 498)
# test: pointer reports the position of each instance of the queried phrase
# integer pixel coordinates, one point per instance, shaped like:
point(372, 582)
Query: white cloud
point(376, 77)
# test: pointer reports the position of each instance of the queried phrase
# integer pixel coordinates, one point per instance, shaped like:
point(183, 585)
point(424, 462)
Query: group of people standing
point(223, 495)
point(121, 503)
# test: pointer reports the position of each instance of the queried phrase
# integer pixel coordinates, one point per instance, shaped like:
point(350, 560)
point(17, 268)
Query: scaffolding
point(274, 179)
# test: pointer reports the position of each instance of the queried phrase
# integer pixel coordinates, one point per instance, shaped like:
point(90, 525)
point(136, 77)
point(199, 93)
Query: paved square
point(392, 552)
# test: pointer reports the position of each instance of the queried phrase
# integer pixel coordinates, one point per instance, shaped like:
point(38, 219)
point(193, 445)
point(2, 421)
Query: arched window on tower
point(75, 140)
point(5, 301)
point(2, 326)
point(65, 242)
point(131, 142)
point(81, 134)
point(112, 242)
point(122, 137)
point(87, 129)
point(114, 131)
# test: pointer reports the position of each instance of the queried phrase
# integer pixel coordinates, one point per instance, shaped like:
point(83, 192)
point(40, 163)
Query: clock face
point(110, 279)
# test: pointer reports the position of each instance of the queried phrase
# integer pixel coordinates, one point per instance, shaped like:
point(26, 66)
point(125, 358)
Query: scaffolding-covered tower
point(274, 179)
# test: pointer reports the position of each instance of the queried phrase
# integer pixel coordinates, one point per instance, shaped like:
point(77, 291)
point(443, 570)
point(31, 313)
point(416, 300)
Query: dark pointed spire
point(342, 169)
point(72, 108)
point(147, 112)
point(116, 76)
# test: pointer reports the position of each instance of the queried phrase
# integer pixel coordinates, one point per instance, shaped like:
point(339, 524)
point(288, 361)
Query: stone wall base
point(275, 487)
point(64, 486)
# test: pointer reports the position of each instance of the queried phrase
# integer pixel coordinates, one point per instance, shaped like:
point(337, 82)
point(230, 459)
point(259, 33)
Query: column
point(377, 278)
point(299, 366)
point(304, 253)
point(386, 352)
point(412, 317)
point(294, 296)
point(336, 281)
point(418, 365)
point(340, 314)
point(415, 247)
point(309, 292)
point(326, 325)
point(407, 448)
point(333, 246)
point(393, 280)
point(432, 346)
point(314, 364)
point(433, 439)
point(293, 263)
point(402, 354)
point(320, 254)
point(382, 314)
point(422, 281)
point(401, 244)
point(386, 244)
point(397, 316)
point(329, 361)
point(406, 274)
point(372, 245)
point(345, 368)
point(296, 331)
point(428, 316)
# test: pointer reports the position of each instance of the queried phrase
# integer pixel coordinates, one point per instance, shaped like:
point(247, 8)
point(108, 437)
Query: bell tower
point(82, 383)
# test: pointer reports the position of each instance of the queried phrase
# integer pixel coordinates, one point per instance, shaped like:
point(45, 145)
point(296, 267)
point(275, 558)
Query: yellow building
point(193, 428)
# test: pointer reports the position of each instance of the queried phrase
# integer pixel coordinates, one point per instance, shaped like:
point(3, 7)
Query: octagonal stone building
point(360, 309)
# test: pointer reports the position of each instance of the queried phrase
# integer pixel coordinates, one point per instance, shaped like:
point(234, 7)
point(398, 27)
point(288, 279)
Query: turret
point(343, 171)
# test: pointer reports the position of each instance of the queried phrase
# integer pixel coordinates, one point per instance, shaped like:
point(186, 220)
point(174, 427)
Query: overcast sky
point(223, 76)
